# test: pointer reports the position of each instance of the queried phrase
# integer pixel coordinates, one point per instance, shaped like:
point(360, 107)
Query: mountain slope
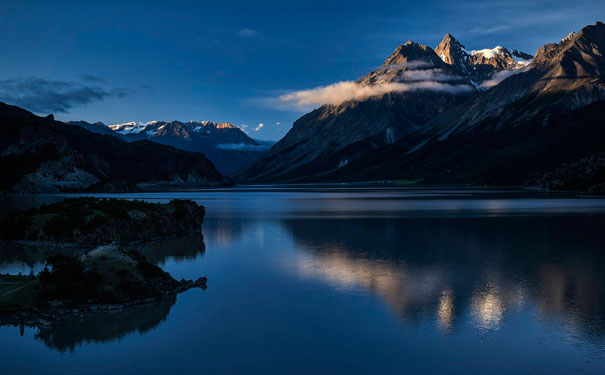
point(43, 155)
point(96, 127)
point(414, 85)
point(425, 86)
point(543, 126)
point(227, 146)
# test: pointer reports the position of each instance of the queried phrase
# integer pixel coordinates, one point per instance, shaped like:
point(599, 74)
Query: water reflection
point(186, 247)
point(481, 267)
point(17, 257)
point(487, 308)
point(222, 232)
point(445, 310)
point(101, 327)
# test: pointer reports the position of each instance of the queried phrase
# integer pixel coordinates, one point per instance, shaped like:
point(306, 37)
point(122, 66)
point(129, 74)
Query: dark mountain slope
point(43, 155)
point(95, 127)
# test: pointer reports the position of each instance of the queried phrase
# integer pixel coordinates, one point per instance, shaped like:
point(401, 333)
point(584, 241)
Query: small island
point(92, 221)
point(101, 274)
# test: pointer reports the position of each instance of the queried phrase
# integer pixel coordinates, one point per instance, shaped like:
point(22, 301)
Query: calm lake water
point(351, 280)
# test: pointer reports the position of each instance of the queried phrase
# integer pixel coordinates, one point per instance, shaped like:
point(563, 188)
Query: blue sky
point(227, 60)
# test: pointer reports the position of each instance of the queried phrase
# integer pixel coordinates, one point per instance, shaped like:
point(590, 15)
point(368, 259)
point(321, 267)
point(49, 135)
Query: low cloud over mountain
point(341, 92)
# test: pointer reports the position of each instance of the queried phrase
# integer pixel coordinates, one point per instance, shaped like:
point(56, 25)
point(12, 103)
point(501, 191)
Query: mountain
point(414, 85)
point(40, 154)
point(355, 126)
point(543, 126)
point(227, 146)
point(96, 127)
point(479, 65)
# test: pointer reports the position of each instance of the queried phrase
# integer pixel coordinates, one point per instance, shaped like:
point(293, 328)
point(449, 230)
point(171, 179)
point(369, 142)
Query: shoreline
point(54, 311)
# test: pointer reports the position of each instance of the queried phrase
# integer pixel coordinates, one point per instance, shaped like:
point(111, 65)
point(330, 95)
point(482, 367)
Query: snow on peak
point(568, 37)
point(489, 53)
point(224, 125)
point(151, 128)
point(131, 123)
point(128, 127)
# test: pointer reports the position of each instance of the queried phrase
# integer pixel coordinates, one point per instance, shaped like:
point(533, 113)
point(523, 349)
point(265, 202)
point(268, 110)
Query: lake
point(350, 280)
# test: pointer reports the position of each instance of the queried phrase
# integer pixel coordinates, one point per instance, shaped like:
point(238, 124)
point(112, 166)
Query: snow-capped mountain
point(500, 58)
point(542, 126)
point(208, 132)
point(355, 128)
point(226, 145)
point(539, 123)
point(480, 65)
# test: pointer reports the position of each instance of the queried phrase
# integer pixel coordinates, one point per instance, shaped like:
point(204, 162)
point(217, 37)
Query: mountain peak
point(449, 39)
point(410, 51)
point(408, 56)
point(451, 51)
point(576, 52)
point(225, 125)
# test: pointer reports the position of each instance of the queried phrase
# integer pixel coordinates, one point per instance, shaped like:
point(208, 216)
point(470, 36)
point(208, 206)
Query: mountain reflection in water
point(104, 326)
point(434, 268)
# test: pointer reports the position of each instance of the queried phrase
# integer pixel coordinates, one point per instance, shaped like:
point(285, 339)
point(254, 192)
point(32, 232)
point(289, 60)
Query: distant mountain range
point(523, 120)
point(39, 154)
point(227, 146)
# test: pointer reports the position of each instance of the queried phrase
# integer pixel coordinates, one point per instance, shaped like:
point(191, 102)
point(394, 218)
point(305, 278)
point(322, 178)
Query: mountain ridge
point(226, 145)
point(428, 87)
point(40, 154)
point(540, 127)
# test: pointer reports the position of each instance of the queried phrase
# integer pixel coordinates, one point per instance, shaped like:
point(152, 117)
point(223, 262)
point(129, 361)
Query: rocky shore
point(55, 311)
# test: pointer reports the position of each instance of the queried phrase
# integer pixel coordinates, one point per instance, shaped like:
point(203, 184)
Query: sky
point(123, 61)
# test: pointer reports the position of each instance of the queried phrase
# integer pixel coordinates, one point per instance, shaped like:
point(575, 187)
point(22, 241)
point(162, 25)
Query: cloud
point(248, 33)
point(46, 96)
point(92, 78)
point(414, 75)
point(259, 127)
point(340, 92)
point(501, 76)
point(242, 147)
point(278, 123)
point(412, 64)
point(426, 75)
